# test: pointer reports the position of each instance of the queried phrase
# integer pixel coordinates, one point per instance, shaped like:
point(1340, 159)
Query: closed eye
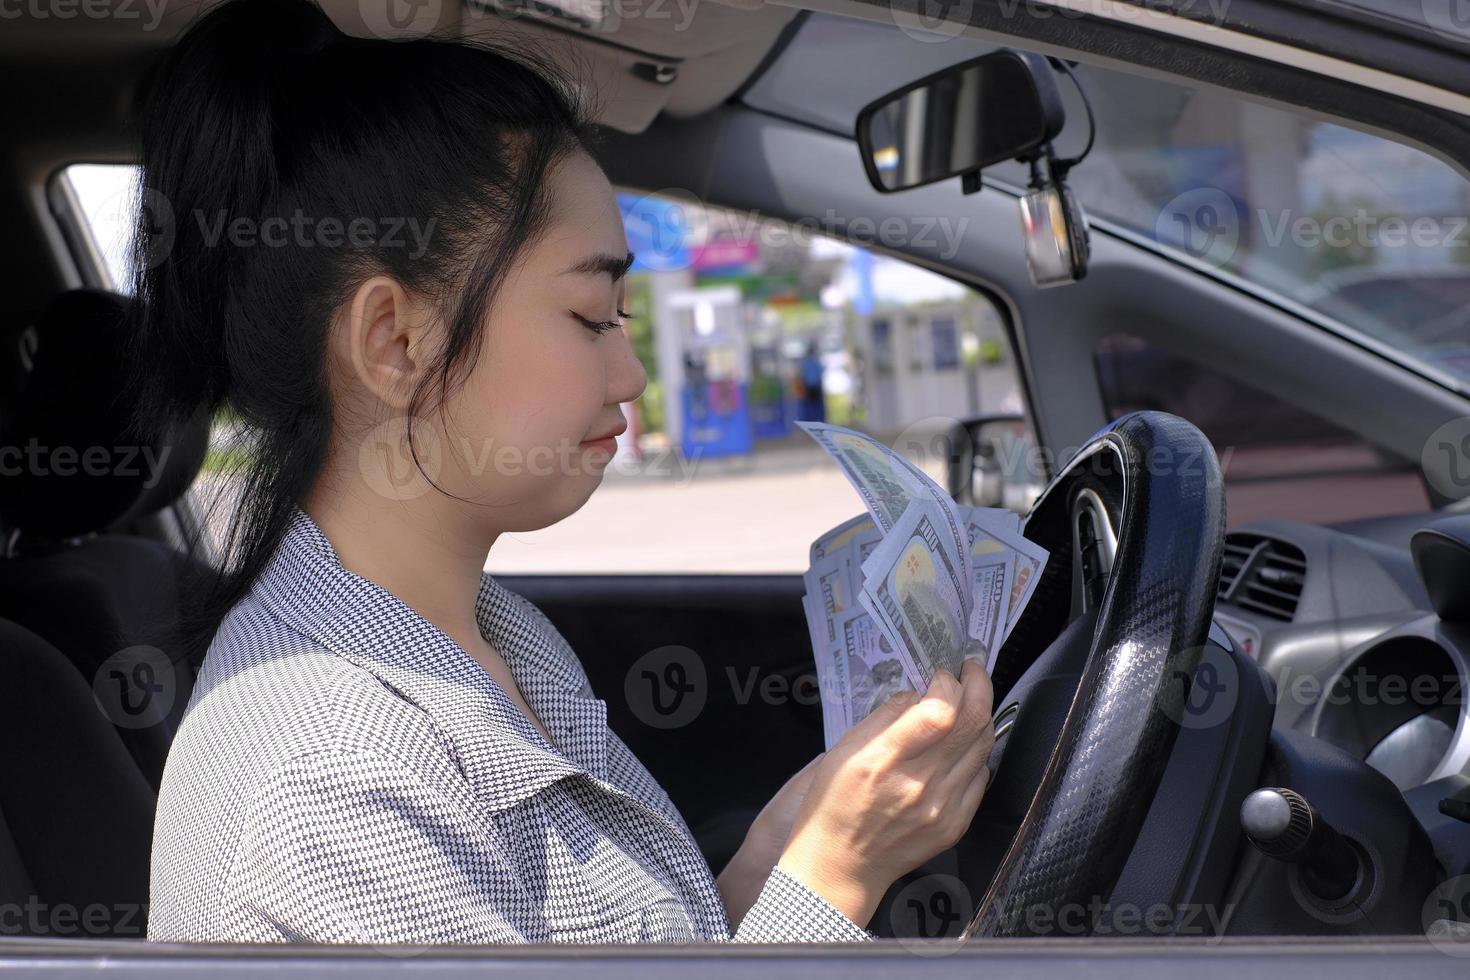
point(602, 326)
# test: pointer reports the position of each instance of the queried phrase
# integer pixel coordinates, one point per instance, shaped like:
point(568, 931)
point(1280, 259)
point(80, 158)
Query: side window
point(103, 198)
point(746, 325)
point(1279, 461)
point(104, 194)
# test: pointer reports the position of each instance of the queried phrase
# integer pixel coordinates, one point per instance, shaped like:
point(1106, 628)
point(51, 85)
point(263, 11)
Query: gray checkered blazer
point(346, 772)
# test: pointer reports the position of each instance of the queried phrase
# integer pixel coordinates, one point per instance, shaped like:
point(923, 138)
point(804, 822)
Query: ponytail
point(209, 148)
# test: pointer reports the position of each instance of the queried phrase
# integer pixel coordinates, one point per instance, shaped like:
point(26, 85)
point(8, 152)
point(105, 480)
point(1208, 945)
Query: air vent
point(1237, 553)
point(1263, 575)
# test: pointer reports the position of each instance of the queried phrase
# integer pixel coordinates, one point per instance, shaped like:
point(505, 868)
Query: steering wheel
point(1135, 528)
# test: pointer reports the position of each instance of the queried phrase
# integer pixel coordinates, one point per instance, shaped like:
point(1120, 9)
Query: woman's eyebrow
point(596, 265)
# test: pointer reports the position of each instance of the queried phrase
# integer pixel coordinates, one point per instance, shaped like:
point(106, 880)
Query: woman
point(399, 264)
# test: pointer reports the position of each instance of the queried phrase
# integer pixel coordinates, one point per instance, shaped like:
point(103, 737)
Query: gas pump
point(709, 326)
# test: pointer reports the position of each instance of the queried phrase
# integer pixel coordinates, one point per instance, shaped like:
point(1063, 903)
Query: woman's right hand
point(900, 786)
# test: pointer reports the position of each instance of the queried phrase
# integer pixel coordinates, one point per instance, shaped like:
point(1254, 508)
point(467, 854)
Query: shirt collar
point(501, 753)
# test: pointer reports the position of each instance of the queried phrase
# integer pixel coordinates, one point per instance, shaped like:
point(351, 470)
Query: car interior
point(1318, 618)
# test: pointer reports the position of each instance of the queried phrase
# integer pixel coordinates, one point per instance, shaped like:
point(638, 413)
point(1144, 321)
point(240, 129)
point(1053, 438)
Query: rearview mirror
point(1000, 106)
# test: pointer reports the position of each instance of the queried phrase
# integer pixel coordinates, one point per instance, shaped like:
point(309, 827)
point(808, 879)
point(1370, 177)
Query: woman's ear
point(385, 334)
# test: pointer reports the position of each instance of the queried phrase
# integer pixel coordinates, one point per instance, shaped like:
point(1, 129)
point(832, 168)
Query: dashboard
point(1361, 655)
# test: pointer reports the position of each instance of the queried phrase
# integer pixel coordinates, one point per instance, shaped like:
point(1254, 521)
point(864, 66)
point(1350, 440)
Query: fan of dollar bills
point(914, 586)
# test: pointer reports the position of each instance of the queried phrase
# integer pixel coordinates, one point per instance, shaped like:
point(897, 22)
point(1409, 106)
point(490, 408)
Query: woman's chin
point(556, 504)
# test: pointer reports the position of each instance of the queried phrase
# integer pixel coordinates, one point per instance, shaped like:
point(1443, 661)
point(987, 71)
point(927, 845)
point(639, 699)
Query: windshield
point(1365, 231)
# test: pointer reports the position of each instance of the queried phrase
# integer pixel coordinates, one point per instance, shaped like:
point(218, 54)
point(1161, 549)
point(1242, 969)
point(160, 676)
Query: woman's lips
point(608, 442)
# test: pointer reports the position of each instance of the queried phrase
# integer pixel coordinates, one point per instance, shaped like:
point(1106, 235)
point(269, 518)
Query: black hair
point(265, 111)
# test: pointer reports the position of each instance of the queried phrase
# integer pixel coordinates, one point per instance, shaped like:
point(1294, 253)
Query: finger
point(954, 765)
point(928, 721)
point(955, 770)
point(971, 711)
point(882, 717)
point(977, 697)
point(943, 684)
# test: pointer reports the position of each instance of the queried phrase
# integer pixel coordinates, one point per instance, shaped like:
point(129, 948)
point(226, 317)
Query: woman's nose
point(628, 378)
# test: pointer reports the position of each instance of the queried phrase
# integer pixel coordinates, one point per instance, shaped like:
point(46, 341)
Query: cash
point(916, 585)
point(915, 588)
point(887, 482)
point(871, 669)
point(995, 528)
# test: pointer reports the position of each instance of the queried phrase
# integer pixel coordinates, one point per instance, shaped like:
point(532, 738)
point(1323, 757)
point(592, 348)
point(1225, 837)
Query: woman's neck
point(422, 551)
point(425, 556)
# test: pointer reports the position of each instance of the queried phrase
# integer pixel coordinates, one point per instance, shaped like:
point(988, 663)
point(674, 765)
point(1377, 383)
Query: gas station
point(728, 362)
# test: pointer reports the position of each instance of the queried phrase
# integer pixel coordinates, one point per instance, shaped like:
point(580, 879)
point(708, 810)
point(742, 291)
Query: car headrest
point(67, 465)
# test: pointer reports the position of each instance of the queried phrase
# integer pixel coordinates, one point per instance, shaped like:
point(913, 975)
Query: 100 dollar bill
point(887, 482)
point(916, 589)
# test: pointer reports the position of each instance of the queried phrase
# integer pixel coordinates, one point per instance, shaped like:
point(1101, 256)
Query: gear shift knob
point(1283, 825)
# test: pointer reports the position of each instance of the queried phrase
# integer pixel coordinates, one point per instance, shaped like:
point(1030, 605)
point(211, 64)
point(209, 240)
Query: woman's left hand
point(744, 877)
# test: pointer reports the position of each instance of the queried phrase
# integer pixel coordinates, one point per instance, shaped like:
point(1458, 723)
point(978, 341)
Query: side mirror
point(1003, 473)
point(1001, 106)
point(988, 461)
